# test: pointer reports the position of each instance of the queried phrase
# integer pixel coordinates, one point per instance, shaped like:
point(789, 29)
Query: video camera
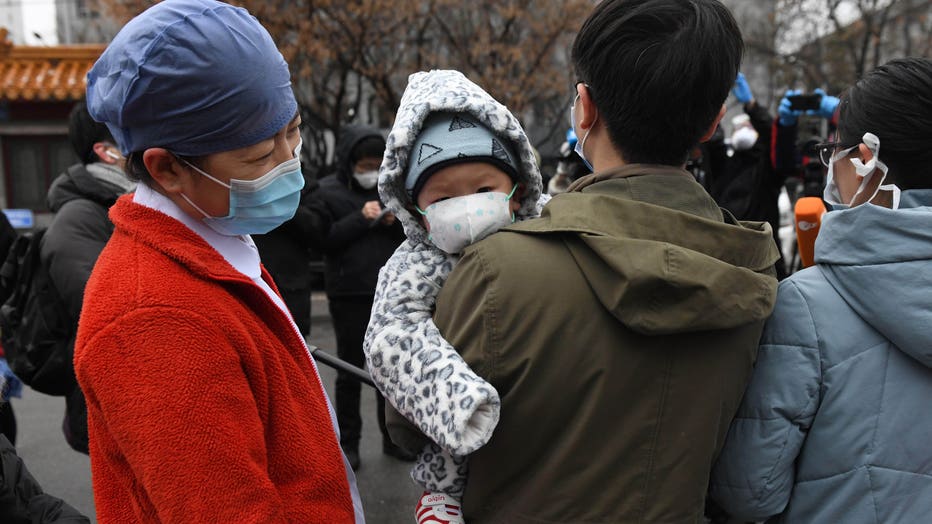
point(811, 170)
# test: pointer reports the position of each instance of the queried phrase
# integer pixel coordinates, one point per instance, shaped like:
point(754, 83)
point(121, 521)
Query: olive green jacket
point(620, 329)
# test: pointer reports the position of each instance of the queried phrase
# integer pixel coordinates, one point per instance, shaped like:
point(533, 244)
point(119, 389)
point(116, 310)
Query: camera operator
point(744, 180)
point(794, 157)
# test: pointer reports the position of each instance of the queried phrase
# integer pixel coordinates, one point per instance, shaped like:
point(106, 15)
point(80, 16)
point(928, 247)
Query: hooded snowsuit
point(832, 427)
point(418, 371)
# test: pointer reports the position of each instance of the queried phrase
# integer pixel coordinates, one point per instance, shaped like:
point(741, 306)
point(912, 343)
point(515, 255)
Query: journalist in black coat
point(358, 238)
point(81, 198)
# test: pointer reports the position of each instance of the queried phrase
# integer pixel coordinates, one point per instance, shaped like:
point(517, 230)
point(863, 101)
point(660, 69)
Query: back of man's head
point(658, 72)
point(84, 132)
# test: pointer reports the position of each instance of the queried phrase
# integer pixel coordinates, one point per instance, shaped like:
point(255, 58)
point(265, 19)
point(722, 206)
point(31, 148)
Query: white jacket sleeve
point(414, 367)
point(755, 472)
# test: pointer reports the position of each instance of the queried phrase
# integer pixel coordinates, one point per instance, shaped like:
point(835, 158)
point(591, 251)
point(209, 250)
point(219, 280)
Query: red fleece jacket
point(203, 405)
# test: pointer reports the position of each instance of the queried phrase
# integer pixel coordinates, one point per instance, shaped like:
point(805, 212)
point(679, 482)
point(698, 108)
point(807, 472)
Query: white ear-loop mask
point(868, 169)
point(461, 221)
point(865, 171)
point(831, 194)
point(367, 180)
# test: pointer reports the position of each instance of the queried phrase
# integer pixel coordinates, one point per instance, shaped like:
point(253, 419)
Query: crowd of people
point(621, 343)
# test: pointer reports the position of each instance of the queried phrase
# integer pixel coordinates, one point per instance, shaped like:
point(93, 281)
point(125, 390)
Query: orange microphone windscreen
point(808, 219)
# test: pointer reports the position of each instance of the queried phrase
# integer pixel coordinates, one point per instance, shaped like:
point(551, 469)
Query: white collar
point(239, 251)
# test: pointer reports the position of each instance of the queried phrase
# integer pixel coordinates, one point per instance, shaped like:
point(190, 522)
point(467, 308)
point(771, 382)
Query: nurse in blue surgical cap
point(204, 404)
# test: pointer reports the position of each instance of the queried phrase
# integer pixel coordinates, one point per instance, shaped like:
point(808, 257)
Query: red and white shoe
point(438, 508)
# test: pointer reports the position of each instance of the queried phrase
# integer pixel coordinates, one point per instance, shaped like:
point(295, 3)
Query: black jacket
point(78, 233)
point(7, 236)
point(21, 498)
point(355, 248)
point(747, 183)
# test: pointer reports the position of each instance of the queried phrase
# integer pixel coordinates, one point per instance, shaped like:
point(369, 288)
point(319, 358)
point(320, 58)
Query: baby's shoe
point(438, 508)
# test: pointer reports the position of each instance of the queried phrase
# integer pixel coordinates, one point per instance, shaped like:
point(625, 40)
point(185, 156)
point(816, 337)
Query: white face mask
point(458, 222)
point(744, 139)
point(865, 171)
point(367, 180)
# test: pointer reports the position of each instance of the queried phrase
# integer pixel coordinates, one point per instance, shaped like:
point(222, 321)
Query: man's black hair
point(84, 132)
point(658, 72)
point(894, 102)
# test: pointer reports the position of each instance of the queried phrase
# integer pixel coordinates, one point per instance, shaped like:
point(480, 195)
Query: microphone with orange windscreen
point(808, 219)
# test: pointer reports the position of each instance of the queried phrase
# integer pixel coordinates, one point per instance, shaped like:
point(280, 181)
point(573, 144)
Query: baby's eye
point(484, 189)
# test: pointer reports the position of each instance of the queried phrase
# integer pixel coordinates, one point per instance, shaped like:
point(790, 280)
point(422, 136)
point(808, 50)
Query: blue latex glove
point(829, 104)
point(788, 117)
point(742, 90)
point(12, 385)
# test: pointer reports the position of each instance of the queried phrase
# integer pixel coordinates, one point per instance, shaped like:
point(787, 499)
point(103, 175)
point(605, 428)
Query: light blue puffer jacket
point(835, 425)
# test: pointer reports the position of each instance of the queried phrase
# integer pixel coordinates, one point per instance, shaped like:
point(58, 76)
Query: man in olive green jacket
point(620, 328)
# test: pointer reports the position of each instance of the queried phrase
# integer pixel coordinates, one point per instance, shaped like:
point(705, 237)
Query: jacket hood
point(880, 262)
point(659, 258)
point(349, 137)
point(78, 181)
point(449, 91)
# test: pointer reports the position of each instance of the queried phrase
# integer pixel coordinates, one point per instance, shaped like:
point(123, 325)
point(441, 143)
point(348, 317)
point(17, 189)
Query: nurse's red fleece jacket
point(203, 405)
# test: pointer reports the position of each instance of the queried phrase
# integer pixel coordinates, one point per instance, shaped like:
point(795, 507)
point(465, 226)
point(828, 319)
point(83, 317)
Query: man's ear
point(588, 112)
point(164, 168)
point(101, 149)
point(711, 130)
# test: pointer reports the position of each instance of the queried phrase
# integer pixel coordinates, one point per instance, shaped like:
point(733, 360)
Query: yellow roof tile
point(48, 73)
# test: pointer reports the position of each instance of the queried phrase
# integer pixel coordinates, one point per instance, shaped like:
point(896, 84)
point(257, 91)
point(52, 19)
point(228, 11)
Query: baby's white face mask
point(864, 170)
point(458, 222)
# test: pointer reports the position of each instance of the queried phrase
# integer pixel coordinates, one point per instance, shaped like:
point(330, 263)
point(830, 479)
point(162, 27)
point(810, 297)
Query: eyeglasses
point(827, 152)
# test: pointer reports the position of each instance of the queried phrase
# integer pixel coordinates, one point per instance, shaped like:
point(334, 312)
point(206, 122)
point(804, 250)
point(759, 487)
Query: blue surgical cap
point(193, 76)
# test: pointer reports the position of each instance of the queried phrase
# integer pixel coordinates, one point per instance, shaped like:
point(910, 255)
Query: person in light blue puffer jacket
point(834, 424)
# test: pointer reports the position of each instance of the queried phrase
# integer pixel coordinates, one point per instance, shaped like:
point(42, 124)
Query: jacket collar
point(167, 235)
point(239, 251)
point(658, 252)
point(627, 170)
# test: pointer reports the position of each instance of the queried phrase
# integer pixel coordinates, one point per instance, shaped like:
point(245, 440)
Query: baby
point(457, 167)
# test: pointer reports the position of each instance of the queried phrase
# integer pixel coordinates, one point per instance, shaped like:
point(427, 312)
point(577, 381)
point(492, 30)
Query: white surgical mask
point(458, 222)
point(744, 138)
point(864, 170)
point(367, 180)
